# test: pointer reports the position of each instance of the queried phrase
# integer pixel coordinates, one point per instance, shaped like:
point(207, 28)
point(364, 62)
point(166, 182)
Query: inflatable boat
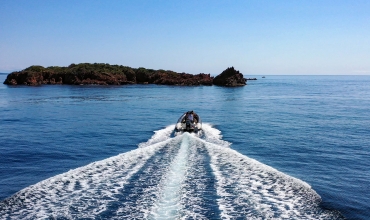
point(189, 121)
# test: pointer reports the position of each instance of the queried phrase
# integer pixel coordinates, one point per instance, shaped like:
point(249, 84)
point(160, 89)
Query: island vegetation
point(106, 74)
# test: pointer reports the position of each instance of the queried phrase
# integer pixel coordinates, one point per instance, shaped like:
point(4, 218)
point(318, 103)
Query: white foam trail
point(89, 188)
point(250, 189)
point(213, 135)
point(169, 205)
point(198, 193)
point(159, 136)
point(184, 177)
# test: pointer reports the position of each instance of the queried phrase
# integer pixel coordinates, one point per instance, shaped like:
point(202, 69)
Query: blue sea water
point(282, 147)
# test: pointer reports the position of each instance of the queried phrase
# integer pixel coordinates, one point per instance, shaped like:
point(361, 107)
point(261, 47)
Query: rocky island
point(105, 74)
point(230, 77)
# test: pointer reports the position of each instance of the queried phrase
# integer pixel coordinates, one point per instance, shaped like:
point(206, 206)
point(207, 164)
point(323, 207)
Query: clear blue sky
point(257, 37)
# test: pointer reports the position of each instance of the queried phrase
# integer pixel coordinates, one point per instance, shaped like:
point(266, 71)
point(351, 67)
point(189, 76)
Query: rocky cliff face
point(105, 74)
point(230, 77)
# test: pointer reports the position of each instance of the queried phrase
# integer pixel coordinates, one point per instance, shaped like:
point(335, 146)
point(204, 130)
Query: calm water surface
point(280, 147)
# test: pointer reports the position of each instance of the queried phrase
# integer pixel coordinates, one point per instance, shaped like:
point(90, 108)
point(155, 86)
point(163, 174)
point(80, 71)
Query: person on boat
point(189, 116)
point(192, 116)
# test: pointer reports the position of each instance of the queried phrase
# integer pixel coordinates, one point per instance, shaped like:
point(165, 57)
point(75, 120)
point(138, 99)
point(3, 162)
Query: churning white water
point(181, 177)
point(168, 204)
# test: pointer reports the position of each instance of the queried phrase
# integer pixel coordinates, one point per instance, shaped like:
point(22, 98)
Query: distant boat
point(263, 77)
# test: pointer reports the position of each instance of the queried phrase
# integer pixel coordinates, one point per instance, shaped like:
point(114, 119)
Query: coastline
point(106, 74)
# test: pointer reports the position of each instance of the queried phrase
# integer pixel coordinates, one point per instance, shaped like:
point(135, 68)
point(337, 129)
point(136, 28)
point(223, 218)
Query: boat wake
point(187, 176)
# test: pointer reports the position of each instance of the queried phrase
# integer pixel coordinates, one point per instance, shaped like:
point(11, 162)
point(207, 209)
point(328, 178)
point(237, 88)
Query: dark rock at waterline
point(230, 77)
point(167, 77)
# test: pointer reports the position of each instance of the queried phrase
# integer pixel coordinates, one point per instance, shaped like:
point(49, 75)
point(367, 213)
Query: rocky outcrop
point(230, 77)
point(167, 77)
point(103, 74)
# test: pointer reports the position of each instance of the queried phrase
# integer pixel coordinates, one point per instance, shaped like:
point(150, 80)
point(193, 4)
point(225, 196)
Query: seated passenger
point(190, 116)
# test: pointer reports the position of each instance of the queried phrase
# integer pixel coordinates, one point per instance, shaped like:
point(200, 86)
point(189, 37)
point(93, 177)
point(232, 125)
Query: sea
point(281, 147)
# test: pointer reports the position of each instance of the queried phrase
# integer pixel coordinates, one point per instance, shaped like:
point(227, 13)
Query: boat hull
point(185, 125)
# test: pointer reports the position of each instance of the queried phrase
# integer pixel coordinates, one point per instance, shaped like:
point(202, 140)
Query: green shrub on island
point(35, 68)
point(102, 74)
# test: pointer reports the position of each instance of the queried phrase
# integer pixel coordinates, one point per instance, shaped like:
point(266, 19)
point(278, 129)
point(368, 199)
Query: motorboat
point(189, 121)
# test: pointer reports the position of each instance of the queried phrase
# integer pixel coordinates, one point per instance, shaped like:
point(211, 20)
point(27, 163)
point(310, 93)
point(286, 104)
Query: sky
point(257, 37)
